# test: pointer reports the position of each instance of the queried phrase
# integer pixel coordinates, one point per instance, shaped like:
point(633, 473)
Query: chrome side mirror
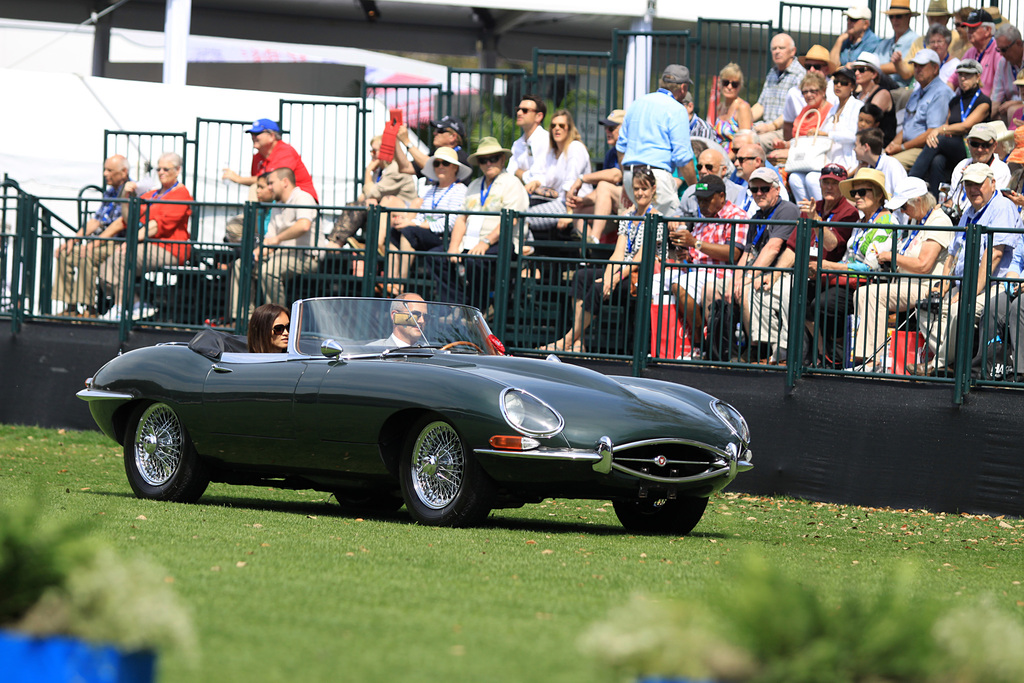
point(331, 348)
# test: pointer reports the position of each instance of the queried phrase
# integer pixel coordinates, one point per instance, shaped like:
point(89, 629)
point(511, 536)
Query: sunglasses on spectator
point(492, 159)
point(814, 66)
point(958, 24)
point(731, 84)
point(805, 93)
point(980, 144)
point(843, 82)
point(835, 170)
point(441, 162)
point(526, 110)
point(744, 160)
point(708, 167)
point(861, 192)
point(419, 315)
point(1004, 50)
point(164, 169)
point(760, 189)
point(560, 125)
point(861, 69)
point(279, 330)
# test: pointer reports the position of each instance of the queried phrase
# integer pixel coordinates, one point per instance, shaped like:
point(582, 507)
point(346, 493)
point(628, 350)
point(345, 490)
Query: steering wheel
point(461, 343)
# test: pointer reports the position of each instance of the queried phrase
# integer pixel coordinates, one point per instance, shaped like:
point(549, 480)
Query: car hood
point(626, 409)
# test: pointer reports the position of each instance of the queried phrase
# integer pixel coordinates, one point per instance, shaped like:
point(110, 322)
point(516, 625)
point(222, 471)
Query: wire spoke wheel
point(158, 445)
point(438, 465)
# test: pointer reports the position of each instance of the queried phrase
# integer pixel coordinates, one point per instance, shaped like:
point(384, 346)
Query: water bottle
point(741, 341)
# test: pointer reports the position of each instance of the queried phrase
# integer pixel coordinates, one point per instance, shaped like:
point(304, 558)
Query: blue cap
point(260, 125)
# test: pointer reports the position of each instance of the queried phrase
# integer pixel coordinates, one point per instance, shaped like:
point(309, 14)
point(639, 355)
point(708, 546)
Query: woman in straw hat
point(467, 280)
point(426, 230)
point(829, 308)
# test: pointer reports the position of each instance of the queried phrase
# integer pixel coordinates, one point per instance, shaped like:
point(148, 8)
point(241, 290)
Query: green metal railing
point(528, 296)
point(142, 149)
point(721, 41)
point(811, 24)
point(332, 139)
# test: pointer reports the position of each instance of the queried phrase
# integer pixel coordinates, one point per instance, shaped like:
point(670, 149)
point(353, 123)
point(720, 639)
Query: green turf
point(283, 586)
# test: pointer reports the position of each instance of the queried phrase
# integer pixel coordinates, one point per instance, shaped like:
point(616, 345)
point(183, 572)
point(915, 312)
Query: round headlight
point(528, 414)
point(732, 419)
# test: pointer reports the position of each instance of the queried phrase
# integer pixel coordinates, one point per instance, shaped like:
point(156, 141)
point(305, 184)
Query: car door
point(249, 407)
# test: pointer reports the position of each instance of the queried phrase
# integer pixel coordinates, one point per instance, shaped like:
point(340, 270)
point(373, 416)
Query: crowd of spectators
point(879, 136)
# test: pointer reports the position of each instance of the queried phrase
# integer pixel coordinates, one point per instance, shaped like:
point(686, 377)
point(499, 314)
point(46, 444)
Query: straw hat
point(487, 147)
point(901, 7)
point(865, 175)
point(818, 53)
point(451, 156)
point(937, 8)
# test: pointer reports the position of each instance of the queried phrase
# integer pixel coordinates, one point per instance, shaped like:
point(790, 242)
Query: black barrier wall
point(859, 441)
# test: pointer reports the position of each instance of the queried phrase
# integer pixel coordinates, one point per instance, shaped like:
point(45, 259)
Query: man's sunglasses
point(832, 169)
point(525, 110)
point(744, 160)
point(760, 189)
point(490, 159)
point(708, 167)
point(980, 144)
point(279, 330)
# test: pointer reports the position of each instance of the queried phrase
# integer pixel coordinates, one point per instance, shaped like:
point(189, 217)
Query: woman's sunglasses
point(441, 162)
point(861, 192)
point(279, 330)
point(731, 84)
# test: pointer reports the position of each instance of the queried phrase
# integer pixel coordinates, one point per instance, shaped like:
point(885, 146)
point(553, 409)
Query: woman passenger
point(268, 329)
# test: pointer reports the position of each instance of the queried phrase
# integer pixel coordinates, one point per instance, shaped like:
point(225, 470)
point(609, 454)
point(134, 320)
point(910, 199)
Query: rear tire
point(442, 485)
point(676, 517)
point(159, 458)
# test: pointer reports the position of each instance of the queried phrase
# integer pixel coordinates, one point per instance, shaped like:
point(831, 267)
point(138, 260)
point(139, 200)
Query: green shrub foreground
point(284, 586)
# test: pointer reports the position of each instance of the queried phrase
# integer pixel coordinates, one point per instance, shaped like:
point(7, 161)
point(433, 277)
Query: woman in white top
point(426, 231)
point(841, 127)
point(917, 253)
point(568, 159)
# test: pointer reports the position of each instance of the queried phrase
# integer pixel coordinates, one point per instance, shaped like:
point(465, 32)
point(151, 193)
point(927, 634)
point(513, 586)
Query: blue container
point(58, 659)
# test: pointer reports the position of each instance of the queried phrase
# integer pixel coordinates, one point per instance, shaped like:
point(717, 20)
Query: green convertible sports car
point(385, 401)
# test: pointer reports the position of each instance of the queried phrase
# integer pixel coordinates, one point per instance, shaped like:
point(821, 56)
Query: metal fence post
point(131, 246)
point(645, 282)
point(965, 321)
point(374, 215)
point(503, 272)
point(23, 234)
point(798, 303)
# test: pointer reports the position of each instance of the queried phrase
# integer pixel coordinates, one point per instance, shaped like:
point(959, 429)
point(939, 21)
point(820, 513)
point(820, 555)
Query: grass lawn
point(283, 586)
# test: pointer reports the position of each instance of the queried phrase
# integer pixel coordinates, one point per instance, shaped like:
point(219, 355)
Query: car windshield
point(378, 325)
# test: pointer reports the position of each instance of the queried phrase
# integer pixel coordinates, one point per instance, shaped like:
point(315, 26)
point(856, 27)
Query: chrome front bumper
point(605, 457)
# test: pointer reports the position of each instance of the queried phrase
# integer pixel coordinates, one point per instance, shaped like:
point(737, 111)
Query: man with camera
point(940, 312)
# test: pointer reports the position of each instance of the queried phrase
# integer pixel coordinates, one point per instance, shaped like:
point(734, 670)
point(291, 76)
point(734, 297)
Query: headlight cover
point(732, 419)
point(528, 414)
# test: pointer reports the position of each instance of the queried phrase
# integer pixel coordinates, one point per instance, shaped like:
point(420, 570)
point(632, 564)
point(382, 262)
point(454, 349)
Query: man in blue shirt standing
point(858, 37)
point(927, 108)
point(656, 133)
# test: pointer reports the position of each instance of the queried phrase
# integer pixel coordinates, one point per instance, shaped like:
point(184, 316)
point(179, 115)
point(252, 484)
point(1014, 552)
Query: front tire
point(676, 517)
point(441, 484)
point(159, 458)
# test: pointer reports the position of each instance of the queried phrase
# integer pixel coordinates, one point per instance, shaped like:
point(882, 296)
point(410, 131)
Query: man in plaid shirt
point(785, 73)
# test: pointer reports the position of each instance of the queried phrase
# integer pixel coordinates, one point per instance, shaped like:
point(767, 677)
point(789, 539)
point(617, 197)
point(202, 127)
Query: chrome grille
point(669, 460)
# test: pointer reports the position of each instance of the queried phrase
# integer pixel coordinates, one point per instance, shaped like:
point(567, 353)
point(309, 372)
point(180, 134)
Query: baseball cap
point(260, 125)
point(764, 174)
point(977, 18)
point(924, 56)
point(676, 73)
point(709, 184)
point(910, 188)
point(834, 171)
point(858, 12)
point(969, 66)
point(450, 123)
point(982, 131)
point(614, 119)
point(978, 173)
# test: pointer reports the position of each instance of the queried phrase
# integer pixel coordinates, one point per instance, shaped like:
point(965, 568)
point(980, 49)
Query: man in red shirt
point(271, 154)
point(163, 234)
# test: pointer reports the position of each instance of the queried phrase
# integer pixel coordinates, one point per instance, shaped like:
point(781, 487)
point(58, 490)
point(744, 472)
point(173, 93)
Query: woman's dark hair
point(874, 111)
point(261, 328)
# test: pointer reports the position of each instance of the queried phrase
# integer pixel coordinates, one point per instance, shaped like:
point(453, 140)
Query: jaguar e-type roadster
point(384, 401)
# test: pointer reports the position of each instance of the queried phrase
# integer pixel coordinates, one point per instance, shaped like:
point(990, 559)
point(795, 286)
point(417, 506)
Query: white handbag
point(808, 152)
